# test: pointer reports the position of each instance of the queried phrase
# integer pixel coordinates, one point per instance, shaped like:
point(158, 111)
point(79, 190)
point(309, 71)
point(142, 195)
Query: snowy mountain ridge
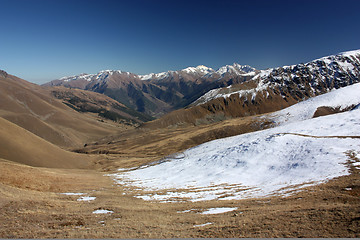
point(156, 93)
point(316, 77)
point(200, 70)
point(102, 75)
point(235, 68)
point(233, 90)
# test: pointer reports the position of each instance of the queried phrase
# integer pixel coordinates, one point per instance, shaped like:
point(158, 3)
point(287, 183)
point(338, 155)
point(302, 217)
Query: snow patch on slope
point(227, 92)
point(300, 153)
point(257, 164)
point(342, 98)
point(218, 210)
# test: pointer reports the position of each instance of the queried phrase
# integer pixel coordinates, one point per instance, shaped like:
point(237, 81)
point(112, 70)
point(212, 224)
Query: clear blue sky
point(41, 40)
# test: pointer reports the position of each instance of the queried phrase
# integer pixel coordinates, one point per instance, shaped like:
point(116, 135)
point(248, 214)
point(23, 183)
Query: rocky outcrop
point(3, 74)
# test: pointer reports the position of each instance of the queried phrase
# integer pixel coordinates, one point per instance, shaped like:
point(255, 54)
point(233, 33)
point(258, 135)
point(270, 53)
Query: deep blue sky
point(41, 40)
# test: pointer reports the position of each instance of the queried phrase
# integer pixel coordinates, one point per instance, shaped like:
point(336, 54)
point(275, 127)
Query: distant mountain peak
point(201, 69)
point(235, 68)
point(82, 76)
point(298, 81)
point(350, 53)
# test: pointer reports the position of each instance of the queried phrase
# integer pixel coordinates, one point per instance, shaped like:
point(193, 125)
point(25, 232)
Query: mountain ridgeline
point(157, 94)
point(231, 91)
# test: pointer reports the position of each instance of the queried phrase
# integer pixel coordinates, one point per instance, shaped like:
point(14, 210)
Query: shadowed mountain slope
point(104, 106)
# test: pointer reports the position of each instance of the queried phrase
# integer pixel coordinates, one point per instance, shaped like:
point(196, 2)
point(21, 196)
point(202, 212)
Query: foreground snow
point(102, 211)
point(218, 210)
point(73, 194)
point(86, 199)
point(203, 225)
point(298, 153)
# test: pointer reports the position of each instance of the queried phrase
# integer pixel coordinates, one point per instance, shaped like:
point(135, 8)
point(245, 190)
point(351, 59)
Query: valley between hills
point(194, 153)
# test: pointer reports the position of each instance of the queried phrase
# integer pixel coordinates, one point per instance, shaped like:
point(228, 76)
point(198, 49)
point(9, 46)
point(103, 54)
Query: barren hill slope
point(21, 146)
point(33, 108)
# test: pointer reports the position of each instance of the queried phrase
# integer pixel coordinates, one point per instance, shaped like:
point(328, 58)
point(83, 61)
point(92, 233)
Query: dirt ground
point(32, 206)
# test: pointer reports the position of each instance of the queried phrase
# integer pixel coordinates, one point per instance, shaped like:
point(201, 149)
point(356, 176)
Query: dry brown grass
point(22, 146)
point(34, 210)
point(143, 145)
point(34, 108)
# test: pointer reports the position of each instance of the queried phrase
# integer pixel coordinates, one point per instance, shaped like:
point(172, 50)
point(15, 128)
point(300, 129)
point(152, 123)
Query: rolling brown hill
point(21, 146)
point(33, 108)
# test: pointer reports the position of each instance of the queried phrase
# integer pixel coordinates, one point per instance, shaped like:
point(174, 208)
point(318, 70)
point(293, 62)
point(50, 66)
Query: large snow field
point(264, 163)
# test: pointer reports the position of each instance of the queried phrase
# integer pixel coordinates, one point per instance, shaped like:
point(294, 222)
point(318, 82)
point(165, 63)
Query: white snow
point(236, 69)
point(227, 92)
point(86, 199)
point(82, 76)
point(202, 225)
point(102, 75)
point(73, 194)
point(126, 169)
point(275, 161)
point(343, 98)
point(147, 76)
point(201, 70)
point(186, 211)
point(219, 210)
point(102, 211)
point(249, 74)
point(351, 53)
point(162, 75)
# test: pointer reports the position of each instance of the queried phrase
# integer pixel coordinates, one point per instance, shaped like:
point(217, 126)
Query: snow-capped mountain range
point(242, 85)
point(271, 90)
point(320, 75)
point(199, 71)
point(156, 93)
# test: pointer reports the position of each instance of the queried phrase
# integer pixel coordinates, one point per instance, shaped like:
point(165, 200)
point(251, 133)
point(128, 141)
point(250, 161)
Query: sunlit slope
point(21, 146)
point(298, 152)
point(33, 108)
